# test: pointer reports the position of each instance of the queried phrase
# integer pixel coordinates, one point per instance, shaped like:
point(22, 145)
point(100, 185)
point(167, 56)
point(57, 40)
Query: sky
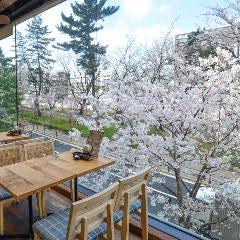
point(142, 20)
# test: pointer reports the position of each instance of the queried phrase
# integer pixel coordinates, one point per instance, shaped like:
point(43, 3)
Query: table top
point(77, 165)
point(8, 138)
point(26, 178)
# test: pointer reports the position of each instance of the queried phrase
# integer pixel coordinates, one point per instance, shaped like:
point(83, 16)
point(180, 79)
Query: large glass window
point(164, 92)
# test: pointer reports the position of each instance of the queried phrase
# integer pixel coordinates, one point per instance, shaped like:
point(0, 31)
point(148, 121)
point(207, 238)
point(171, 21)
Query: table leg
point(30, 216)
point(76, 188)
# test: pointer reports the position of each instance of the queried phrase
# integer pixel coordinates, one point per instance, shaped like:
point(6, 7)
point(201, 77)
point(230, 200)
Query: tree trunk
point(81, 110)
point(51, 112)
point(93, 84)
point(70, 117)
point(179, 195)
point(82, 105)
point(37, 107)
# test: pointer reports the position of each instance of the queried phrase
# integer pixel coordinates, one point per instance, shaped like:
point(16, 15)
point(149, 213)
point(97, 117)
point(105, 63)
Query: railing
point(56, 134)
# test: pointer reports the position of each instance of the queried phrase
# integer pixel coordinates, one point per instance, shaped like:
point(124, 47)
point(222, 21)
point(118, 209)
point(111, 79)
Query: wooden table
point(4, 138)
point(97, 163)
point(24, 179)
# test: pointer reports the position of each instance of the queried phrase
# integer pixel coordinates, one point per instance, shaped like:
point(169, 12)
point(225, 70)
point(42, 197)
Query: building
point(224, 37)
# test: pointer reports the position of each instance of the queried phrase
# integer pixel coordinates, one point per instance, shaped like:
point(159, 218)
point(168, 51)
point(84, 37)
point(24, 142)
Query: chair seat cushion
point(4, 195)
point(117, 215)
point(54, 227)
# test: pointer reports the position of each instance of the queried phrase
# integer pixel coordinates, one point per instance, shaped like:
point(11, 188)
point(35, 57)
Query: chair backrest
point(27, 141)
point(21, 142)
point(11, 155)
point(132, 186)
point(95, 139)
point(38, 149)
point(87, 214)
point(7, 145)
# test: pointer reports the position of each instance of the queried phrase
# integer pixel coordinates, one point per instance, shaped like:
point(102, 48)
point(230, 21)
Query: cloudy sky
point(142, 20)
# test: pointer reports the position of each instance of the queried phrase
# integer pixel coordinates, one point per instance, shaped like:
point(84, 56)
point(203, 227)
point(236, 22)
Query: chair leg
point(36, 237)
point(125, 220)
point(110, 225)
point(144, 225)
point(125, 227)
point(84, 231)
point(144, 213)
point(1, 219)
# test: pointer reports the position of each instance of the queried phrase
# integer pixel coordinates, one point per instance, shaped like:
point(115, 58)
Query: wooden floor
point(16, 215)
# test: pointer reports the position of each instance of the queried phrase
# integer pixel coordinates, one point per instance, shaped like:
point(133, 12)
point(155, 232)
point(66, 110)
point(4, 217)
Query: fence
point(63, 136)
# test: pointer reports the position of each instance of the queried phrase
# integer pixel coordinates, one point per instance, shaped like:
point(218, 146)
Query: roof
point(16, 11)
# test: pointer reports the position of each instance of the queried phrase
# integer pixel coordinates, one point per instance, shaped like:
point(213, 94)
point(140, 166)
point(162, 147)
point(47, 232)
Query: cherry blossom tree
point(191, 121)
point(226, 14)
point(55, 92)
point(79, 84)
point(70, 104)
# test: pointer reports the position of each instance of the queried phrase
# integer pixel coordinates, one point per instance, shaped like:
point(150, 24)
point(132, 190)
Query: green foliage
point(38, 54)
point(109, 131)
point(205, 53)
point(8, 93)
point(199, 45)
point(35, 56)
point(62, 124)
point(193, 37)
point(80, 26)
point(7, 87)
point(5, 62)
point(5, 126)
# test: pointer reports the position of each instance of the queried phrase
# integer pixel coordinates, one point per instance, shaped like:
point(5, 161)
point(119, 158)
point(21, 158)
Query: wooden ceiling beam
point(6, 31)
point(6, 3)
point(4, 19)
point(38, 10)
point(19, 14)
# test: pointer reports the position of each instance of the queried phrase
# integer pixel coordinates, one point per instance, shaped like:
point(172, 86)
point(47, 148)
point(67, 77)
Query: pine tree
point(5, 62)
point(38, 59)
point(7, 87)
point(199, 44)
point(80, 26)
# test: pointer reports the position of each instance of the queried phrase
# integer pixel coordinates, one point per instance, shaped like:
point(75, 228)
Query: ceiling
point(16, 11)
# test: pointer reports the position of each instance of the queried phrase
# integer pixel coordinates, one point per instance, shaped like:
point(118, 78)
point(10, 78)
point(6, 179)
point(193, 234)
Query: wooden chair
point(22, 143)
point(90, 218)
point(38, 149)
point(41, 149)
point(7, 145)
point(132, 199)
point(8, 155)
point(11, 154)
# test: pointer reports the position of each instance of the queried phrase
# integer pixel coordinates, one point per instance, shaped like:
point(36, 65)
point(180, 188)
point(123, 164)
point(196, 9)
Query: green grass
point(5, 125)
point(61, 124)
point(109, 131)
